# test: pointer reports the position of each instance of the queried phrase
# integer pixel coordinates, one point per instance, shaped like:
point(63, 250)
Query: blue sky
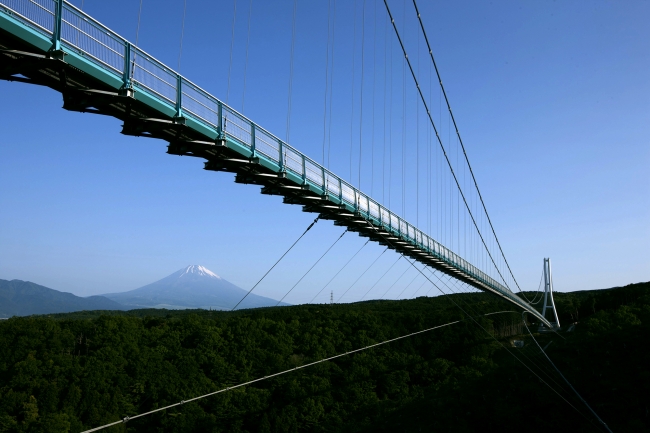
point(552, 101)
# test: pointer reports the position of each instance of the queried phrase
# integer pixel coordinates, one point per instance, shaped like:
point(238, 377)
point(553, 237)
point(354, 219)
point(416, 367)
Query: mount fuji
point(191, 287)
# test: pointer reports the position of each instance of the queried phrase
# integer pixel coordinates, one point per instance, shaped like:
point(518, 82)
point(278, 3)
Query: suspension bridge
point(55, 44)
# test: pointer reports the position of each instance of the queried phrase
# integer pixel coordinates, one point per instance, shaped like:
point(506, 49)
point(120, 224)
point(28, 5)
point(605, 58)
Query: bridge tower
point(549, 303)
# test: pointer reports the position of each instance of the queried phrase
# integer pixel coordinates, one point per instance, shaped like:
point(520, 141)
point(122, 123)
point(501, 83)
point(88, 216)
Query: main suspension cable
point(462, 145)
point(275, 264)
point(408, 61)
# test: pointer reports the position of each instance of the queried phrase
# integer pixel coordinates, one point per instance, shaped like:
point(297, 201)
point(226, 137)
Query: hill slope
point(23, 298)
point(61, 374)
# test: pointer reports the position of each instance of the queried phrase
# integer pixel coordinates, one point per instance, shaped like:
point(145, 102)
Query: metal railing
point(81, 34)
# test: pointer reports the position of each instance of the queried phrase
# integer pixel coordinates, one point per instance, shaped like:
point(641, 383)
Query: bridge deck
point(97, 71)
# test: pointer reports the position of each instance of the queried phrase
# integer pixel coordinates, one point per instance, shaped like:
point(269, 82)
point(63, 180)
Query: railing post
point(178, 118)
point(55, 50)
point(280, 158)
point(340, 191)
point(220, 121)
point(304, 171)
point(252, 140)
point(322, 169)
point(127, 85)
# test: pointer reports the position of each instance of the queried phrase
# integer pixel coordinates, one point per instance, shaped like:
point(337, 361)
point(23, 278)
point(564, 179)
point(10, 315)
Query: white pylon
point(549, 303)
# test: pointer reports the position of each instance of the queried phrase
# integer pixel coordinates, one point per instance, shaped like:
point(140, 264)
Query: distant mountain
point(191, 287)
point(23, 298)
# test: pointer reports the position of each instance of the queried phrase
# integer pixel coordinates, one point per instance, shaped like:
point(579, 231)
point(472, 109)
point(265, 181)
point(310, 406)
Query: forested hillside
point(74, 371)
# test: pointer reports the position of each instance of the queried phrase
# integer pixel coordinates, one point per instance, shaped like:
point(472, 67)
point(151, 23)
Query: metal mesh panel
point(267, 144)
point(402, 227)
point(385, 216)
point(373, 208)
point(347, 193)
point(236, 126)
point(411, 232)
point(292, 160)
point(200, 104)
point(154, 76)
point(38, 14)
point(363, 202)
point(93, 40)
point(333, 184)
point(313, 172)
point(394, 221)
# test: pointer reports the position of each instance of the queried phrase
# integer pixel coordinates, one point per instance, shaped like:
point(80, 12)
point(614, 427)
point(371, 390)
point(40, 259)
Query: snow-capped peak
point(199, 270)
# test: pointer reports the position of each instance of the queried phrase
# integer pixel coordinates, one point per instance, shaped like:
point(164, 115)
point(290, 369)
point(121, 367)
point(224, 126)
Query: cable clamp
point(125, 419)
point(182, 402)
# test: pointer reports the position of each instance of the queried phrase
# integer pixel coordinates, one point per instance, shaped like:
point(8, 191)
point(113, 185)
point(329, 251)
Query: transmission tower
point(331, 297)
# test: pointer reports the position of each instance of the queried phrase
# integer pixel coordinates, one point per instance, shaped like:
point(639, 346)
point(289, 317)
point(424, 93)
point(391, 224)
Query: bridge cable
point(260, 379)
point(329, 135)
point(232, 45)
point(180, 49)
point(275, 264)
point(461, 141)
point(408, 61)
point(312, 267)
point(564, 378)
point(137, 35)
point(407, 286)
point(363, 47)
point(327, 67)
point(382, 277)
point(354, 62)
point(340, 270)
point(383, 160)
point(293, 44)
point(248, 38)
point(364, 273)
point(395, 282)
point(374, 85)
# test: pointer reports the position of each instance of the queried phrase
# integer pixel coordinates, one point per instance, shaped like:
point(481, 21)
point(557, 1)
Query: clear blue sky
point(552, 100)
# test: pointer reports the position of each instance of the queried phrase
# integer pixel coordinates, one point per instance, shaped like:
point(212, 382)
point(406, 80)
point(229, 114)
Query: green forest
point(71, 372)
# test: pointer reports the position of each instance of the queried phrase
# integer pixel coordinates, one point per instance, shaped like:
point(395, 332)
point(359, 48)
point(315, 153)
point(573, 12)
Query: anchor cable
point(340, 270)
point(275, 264)
point(312, 267)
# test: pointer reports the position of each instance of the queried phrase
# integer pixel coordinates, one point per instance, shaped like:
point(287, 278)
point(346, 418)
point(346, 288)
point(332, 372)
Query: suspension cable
point(312, 267)
point(274, 265)
point(180, 50)
point(364, 273)
point(293, 44)
point(137, 35)
point(408, 61)
point(248, 38)
point(382, 277)
point(232, 45)
point(461, 143)
point(327, 67)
